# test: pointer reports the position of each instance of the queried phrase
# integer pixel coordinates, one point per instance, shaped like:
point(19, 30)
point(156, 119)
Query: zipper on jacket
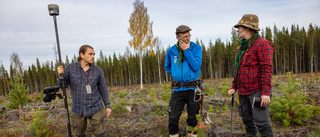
point(182, 70)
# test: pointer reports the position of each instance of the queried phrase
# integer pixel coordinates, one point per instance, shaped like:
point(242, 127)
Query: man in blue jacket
point(183, 63)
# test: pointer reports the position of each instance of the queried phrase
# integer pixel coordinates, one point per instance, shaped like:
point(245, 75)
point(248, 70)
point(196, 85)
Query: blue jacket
point(189, 68)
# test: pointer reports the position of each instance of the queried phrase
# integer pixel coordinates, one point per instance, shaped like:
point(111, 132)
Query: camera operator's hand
point(60, 70)
point(108, 110)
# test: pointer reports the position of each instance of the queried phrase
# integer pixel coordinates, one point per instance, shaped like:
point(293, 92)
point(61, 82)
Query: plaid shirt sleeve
point(265, 54)
point(103, 89)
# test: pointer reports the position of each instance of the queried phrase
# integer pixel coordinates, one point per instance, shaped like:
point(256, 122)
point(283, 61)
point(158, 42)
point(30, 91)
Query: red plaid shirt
point(255, 69)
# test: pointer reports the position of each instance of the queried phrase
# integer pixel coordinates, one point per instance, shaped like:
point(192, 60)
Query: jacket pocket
point(94, 80)
point(76, 79)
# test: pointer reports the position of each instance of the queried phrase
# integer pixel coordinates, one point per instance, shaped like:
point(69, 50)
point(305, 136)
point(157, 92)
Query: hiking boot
point(175, 135)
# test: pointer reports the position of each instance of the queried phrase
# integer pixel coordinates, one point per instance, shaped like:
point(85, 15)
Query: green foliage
point(224, 88)
point(18, 93)
point(166, 93)
point(211, 108)
point(122, 94)
point(153, 94)
point(119, 108)
point(211, 92)
point(1, 101)
point(200, 130)
point(36, 97)
point(276, 84)
point(315, 110)
point(315, 133)
point(290, 108)
point(160, 110)
point(40, 126)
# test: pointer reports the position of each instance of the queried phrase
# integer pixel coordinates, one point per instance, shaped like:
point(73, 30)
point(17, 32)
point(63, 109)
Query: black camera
point(51, 93)
point(256, 102)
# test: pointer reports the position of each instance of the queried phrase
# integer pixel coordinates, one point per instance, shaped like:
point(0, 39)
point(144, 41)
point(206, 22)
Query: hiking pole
point(54, 11)
point(231, 112)
point(201, 105)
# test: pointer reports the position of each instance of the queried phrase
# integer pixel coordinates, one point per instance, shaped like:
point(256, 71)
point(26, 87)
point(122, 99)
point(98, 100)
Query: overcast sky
point(27, 29)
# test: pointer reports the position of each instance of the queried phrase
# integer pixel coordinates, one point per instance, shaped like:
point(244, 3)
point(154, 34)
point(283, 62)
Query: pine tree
point(290, 108)
point(17, 93)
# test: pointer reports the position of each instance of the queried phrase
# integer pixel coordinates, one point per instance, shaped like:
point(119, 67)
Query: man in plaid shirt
point(88, 91)
point(252, 77)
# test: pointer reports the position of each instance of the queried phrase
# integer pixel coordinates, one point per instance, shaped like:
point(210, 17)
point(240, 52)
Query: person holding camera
point(88, 92)
point(183, 63)
point(252, 77)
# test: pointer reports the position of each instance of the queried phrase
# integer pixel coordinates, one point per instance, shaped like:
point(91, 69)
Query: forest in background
point(296, 50)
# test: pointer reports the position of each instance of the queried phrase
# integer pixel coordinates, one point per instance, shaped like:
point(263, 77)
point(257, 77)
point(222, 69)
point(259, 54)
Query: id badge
point(88, 87)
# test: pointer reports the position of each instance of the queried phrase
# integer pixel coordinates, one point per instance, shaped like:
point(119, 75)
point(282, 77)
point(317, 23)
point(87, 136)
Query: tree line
point(295, 49)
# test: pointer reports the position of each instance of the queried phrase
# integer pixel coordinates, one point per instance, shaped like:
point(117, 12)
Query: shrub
point(211, 92)
point(165, 92)
point(199, 129)
point(39, 126)
point(315, 133)
point(290, 108)
point(153, 94)
point(224, 88)
point(122, 94)
point(315, 110)
point(119, 108)
point(211, 108)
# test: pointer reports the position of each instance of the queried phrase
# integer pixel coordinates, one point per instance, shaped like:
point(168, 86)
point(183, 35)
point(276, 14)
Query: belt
point(177, 84)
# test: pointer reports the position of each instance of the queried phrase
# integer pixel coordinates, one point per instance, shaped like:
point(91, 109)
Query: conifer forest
point(296, 49)
point(141, 112)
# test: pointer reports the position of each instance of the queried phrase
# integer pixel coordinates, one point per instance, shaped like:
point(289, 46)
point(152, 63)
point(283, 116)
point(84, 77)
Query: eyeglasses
point(185, 37)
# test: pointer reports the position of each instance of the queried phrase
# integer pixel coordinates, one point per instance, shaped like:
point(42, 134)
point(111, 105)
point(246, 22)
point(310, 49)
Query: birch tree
point(158, 53)
point(141, 32)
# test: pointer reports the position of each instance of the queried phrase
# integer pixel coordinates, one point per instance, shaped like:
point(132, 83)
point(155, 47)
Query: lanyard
point(85, 76)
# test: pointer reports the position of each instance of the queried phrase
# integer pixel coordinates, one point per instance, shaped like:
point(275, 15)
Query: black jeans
point(253, 117)
point(176, 105)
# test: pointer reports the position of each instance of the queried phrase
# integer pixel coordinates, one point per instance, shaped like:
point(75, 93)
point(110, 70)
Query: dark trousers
point(176, 105)
point(255, 118)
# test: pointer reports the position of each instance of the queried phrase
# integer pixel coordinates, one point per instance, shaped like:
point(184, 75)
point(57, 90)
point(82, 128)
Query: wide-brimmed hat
point(250, 21)
point(182, 29)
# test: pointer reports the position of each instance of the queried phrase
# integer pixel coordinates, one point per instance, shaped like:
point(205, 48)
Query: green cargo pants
point(79, 123)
